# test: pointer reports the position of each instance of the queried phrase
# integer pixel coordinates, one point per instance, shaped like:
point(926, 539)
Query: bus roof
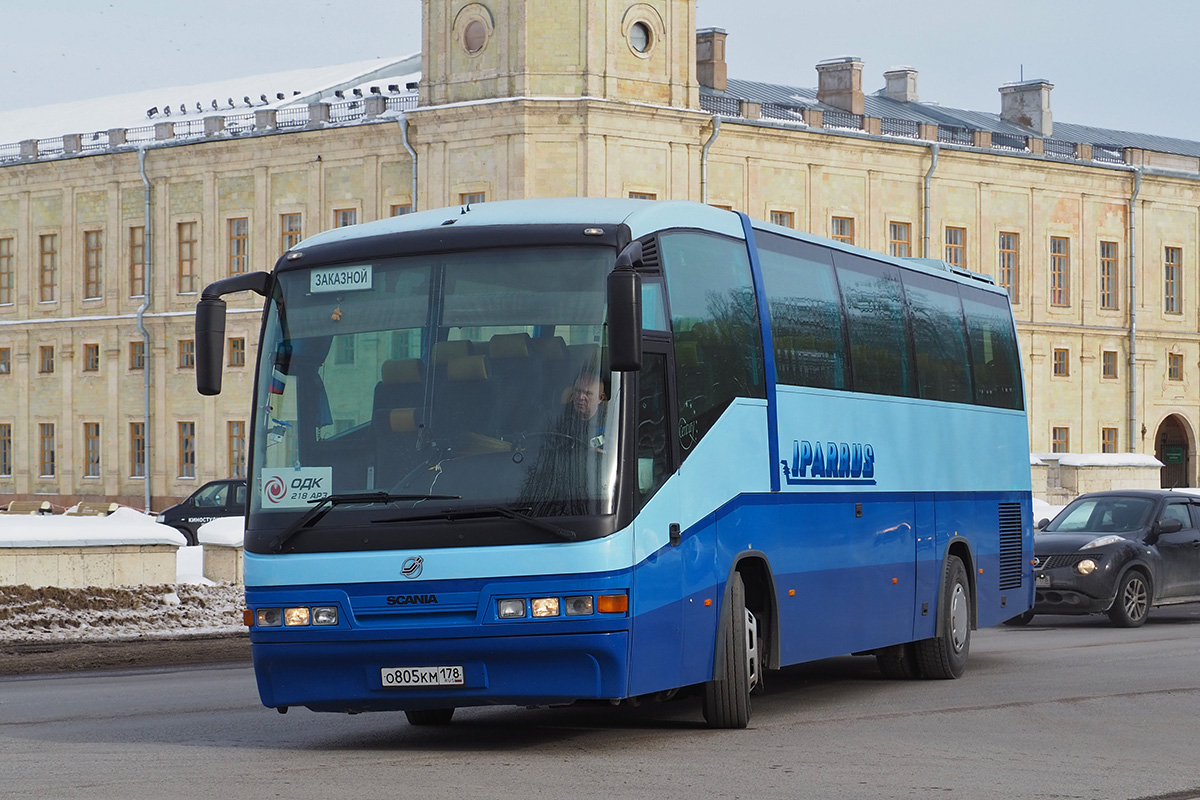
point(641, 216)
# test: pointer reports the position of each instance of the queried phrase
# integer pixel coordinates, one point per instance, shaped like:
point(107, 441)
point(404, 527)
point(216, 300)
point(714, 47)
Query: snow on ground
point(192, 606)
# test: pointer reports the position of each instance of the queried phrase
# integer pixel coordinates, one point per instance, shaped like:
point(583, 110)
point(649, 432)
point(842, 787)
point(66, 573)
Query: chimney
point(901, 84)
point(839, 84)
point(710, 58)
point(1028, 104)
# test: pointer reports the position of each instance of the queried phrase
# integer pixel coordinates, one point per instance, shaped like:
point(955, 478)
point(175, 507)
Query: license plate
point(1041, 579)
point(397, 677)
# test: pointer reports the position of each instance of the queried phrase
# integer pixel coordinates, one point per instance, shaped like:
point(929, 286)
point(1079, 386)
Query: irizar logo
point(830, 462)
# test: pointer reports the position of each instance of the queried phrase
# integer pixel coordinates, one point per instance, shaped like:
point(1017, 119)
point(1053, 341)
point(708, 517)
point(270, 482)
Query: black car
point(1120, 553)
point(223, 498)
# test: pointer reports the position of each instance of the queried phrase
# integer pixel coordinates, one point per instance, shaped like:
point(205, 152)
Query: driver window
point(1177, 511)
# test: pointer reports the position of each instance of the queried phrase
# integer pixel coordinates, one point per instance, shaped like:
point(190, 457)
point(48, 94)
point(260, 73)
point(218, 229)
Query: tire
point(429, 716)
point(727, 699)
point(1132, 603)
point(899, 662)
point(944, 657)
point(1020, 619)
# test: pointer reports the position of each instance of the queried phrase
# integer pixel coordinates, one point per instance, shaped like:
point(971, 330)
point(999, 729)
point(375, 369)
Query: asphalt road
point(1064, 708)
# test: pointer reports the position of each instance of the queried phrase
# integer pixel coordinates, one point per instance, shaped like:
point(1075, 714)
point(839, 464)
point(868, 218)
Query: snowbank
point(224, 532)
point(123, 527)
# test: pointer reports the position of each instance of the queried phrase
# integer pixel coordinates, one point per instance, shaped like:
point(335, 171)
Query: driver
point(588, 401)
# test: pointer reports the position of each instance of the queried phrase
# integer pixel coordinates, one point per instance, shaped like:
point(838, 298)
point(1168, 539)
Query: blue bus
point(544, 451)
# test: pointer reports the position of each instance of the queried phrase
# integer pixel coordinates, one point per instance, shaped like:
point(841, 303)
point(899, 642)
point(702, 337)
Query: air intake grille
point(1011, 560)
point(650, 258)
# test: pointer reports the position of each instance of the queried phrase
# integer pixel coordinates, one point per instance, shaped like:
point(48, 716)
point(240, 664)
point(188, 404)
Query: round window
point(639, 37)
point(475, 36)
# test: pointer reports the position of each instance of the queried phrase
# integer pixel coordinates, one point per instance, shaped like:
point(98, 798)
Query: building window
point(137, 261)
point(400, 209)
point(7, 273)
point(1108, 440)
point(343, 350)
point(239, 245)
point(344, 217)
point(46, 434)
point(1174, 366)
point(784, 218)
point(237, 352)
point(5, 360)
point(1108, 276)
point(187, 353)
point(93, 258)
point(1007, 272)
point(956, 246)
point(91, 449)
point(291, 230)
point(237, 449)
point(1062, 366)
point(46, 359)
point(1060, 440)
point(187, 449)
point(841, 229)
point(6, 449)
point(49, 267)
point(91, 358)
point(1108, 364)
point(1059, 271)
point(137, 449)
point(1172, 261)
point(137, 355)
point(188, 253)
point(635, 196)
point(900, 239)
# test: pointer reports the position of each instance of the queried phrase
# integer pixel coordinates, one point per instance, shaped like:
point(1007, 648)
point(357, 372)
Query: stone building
point(106, 237)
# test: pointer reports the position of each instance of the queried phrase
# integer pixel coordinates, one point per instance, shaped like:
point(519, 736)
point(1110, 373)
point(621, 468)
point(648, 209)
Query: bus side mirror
point(210, 326)
point(625, 311)
point(210, 345)
point(625, 320)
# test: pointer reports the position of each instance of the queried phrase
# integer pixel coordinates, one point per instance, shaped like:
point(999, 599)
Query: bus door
point(658, 578)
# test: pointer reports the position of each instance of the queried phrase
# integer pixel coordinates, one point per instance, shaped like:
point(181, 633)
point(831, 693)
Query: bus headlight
point(295, 617)
point(324, 615)
point(269, 617)
point(513, 608)
point(545, 606)
point(580, 605)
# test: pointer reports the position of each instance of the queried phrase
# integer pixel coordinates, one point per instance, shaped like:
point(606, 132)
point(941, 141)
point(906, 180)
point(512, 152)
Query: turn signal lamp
point(612, 603)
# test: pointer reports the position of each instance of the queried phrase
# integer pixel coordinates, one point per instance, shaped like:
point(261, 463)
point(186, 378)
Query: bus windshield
point(475, 377)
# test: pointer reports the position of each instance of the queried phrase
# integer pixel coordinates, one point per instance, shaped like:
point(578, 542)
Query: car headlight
point(1100, 542)
point(1086, 567)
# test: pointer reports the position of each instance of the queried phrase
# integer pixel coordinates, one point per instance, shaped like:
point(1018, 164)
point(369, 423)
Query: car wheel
point(1132, 603)
point(727, 700)
point(429, 716)
point(945, 655)
point(1020, 619)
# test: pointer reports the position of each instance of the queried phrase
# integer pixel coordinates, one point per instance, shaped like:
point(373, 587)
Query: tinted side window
point(995, 364)
point(938, 338)
point(805, 312)
point(714, 316)
point(875, 320)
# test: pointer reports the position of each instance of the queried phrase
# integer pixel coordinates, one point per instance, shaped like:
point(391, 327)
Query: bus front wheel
point(727, 699)
point(945, 655)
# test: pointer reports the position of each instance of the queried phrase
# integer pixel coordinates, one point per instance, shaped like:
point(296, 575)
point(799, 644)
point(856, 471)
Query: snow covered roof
point(278, 90)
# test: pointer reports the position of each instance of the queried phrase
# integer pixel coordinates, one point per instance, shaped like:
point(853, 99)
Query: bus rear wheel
point(429, 716)
point(727, 699)
point(945, 656)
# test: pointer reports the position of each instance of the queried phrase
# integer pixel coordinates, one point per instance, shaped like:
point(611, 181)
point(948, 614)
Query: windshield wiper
point(325, 505)
point(452, 514)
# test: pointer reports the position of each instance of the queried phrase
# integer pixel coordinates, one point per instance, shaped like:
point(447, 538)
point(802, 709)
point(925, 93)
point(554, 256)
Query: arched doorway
point(1172, 449)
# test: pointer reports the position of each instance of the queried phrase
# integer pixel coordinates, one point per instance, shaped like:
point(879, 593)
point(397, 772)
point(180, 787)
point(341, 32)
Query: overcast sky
point(1114, 63)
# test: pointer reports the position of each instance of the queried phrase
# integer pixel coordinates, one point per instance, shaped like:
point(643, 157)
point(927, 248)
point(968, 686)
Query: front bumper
point(1065, 591)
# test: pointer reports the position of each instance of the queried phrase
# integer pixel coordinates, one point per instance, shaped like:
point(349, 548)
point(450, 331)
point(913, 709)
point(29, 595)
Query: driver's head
point(587, 393)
